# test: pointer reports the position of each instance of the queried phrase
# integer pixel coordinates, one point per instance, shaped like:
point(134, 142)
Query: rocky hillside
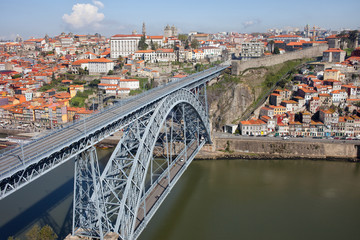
point(229, 96)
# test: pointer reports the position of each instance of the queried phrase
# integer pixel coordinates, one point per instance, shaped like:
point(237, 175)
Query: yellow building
point(73, 89)
point(278, 110)
point(332, 74)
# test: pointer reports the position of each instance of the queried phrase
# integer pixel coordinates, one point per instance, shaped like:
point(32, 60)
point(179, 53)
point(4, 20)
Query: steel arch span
point(152, 154)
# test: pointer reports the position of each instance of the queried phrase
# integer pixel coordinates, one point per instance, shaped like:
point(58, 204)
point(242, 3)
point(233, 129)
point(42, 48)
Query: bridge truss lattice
point(152, 154)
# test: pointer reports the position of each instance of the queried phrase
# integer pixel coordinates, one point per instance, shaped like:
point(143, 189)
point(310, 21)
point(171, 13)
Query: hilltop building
point(170, 31)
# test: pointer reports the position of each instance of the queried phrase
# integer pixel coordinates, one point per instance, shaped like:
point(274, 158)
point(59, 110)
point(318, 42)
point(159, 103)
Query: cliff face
point(227, 106)
point(228, 99)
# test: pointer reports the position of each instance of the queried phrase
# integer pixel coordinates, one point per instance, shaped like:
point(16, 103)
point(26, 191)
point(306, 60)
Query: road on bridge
point(20, 158)
point(163, 184)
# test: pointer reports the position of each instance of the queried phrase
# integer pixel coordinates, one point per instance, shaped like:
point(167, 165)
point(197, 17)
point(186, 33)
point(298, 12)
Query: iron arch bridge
point(162, 131)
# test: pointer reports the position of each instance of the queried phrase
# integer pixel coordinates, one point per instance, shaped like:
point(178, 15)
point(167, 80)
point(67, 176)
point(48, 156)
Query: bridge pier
point(163, 130)
point(151, 156)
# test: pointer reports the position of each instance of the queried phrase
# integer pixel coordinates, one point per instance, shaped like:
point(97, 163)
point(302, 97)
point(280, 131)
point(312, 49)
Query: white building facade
point(123, 45)
point(100, 65)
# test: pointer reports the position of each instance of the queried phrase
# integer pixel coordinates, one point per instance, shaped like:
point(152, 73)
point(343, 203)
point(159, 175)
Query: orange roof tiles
point(145, 51)
point(252, 122)
point(100, 60)
point(334, 50)
point(81, 61)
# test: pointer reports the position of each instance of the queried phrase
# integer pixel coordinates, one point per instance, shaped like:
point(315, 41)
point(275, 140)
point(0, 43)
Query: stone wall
point(291, 149)
point(239, 66)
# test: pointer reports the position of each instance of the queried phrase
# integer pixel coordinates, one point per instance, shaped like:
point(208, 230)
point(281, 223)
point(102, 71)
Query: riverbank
point(276, 148)
point(223, 155)
point(227, 146)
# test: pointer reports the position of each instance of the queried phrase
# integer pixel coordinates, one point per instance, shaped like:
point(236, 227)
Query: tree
point(183, 37)
point(152, 45)
point(47, 233)
point(276, 50)
point(111, 72)
point(142, 43)
point(94, 83)
point(353, 37)
point(198, 67)
point(186, 44)
point(271, 45)
point(120, 61)
point(83, 71)
point(194, 44)
point(12, 238)
point(16, 76)
point(33, 233)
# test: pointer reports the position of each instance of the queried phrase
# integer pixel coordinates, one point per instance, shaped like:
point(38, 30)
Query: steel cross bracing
point(151, 156)
point(22, 165)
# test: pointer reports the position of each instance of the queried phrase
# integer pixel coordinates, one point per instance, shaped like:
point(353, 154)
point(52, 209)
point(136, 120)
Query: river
point(217, 199)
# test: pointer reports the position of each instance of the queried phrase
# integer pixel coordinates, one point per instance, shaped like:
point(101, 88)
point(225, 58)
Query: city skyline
point(37, 18)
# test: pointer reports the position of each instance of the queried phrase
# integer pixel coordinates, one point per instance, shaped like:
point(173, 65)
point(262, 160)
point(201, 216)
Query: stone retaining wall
point(239, 66)
point(291, 149)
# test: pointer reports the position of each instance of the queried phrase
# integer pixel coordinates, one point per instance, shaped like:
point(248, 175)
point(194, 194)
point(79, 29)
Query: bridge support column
point(87, 211)
point(153, 153)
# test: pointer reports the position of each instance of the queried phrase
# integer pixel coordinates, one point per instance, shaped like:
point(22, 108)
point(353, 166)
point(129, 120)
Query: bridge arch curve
point(121, 198)
point(191, 108)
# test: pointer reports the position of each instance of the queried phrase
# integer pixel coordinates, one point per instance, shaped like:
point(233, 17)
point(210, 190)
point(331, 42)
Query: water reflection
point(224, 199)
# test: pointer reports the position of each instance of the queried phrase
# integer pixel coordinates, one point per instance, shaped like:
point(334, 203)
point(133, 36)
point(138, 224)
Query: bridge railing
point(79, 123)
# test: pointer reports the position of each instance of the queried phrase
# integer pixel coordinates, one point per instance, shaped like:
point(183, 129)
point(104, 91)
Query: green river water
point(217, 199)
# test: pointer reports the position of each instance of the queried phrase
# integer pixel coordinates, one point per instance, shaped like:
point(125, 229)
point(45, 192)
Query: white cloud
point(84, 15)
point(98, 3)
point(250, 23)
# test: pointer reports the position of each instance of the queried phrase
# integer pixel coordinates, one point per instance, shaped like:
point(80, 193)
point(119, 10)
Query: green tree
point(47, 233)
point(94, 83)
point(152, 45)
point(186, 44)
point(12, 238)
point(198, 67)
point(33, 233)
point(271, 45)
point(194, 44)
point(353, 37)
point(276, 50)
point(183, 37)
point(83, 71)
point(16, 76)
point(111, 72)
point(121, 61)
point(142, 43)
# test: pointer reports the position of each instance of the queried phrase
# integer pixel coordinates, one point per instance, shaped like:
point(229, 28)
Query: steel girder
point(120, 195)
point(30, 172)
point(25, 165)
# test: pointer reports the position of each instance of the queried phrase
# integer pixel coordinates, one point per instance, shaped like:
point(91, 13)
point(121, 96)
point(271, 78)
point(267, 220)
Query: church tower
point(143, 29)
point(167, 31)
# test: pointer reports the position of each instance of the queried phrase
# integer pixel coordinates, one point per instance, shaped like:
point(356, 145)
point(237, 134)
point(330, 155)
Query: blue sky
point(109, 17)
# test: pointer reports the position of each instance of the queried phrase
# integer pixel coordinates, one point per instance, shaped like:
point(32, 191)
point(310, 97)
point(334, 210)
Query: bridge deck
point(22, 157)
